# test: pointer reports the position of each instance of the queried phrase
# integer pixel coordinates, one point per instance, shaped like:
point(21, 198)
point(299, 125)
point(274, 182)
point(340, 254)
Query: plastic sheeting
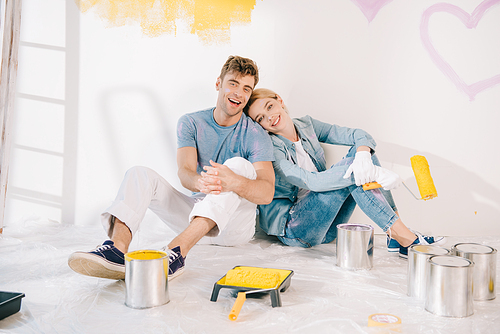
point(322, 297)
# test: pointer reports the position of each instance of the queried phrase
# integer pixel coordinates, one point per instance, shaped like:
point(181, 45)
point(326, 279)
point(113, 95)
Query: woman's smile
point(276, 121)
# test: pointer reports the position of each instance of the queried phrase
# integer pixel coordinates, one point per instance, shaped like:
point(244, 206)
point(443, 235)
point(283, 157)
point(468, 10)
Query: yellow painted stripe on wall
point(211, 20)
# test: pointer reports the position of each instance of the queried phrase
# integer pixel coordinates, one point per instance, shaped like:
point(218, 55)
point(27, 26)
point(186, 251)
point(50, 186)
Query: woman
point(310, 200)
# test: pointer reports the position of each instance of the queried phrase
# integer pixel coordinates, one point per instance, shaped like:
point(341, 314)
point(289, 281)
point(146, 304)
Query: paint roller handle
point(238, 304)
point(371, 185)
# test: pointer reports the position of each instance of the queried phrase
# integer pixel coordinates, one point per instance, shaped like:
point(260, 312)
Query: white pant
point(143, 188)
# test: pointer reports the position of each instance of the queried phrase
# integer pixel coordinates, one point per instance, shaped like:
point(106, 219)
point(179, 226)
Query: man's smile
point(234, 101)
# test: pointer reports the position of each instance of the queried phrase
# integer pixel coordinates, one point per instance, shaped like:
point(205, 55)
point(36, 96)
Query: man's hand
point(217, 178)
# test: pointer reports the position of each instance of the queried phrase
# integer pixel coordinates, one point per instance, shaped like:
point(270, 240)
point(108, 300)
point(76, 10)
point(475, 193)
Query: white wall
point(95, 99)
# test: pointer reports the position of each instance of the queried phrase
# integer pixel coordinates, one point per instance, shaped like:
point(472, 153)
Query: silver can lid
point(450, 261)
point(355, 227)
point(474, 248)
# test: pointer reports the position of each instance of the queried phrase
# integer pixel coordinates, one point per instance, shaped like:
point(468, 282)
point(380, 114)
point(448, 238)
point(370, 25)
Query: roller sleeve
point(423, 176)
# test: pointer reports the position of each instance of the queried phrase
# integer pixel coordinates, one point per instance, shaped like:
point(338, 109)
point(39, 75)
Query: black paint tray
point(10, 303)
point(285, 276)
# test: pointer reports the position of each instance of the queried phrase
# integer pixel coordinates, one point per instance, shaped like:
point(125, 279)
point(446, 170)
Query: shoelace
point(421, 239)
point(102, 248)
point(172, 256)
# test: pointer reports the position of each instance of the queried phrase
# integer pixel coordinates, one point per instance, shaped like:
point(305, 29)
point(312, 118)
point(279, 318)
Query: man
point(222, 156)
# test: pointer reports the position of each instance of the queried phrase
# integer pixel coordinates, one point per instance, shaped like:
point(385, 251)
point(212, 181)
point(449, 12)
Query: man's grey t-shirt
point(244, 139)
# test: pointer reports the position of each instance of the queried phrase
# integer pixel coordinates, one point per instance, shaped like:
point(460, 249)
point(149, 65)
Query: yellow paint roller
point(422, 175)
point(262, 279)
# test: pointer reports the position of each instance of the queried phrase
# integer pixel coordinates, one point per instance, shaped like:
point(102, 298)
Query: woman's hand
point(387, 179)
point(362, 167)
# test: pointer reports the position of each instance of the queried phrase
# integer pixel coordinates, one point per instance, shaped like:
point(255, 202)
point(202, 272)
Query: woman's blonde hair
point(260, 93)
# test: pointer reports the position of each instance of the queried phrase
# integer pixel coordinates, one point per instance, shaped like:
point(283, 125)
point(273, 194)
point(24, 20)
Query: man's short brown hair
point(243, 66)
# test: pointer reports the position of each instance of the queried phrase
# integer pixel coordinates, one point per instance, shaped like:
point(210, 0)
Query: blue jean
point(313, 219)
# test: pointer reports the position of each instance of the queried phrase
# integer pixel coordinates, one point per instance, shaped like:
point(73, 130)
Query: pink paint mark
point(370, 8)
point(470, 21)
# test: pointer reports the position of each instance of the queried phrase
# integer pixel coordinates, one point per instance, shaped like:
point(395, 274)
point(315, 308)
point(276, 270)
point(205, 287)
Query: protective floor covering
point(322, 297)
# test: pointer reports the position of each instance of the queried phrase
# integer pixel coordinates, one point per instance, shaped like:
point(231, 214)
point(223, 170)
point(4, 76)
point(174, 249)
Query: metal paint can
point(485, 265)
point(449, 286)
point(355, 246)
point(146, 278)
point(417, 267)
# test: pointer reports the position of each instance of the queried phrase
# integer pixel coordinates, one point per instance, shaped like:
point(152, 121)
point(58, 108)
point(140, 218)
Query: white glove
point(362, 167)
point(387, 179)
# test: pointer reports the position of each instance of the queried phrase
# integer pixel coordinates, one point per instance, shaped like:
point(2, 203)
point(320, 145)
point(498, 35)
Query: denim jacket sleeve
point(341, 135)
point(314, 132)
point(330, 179)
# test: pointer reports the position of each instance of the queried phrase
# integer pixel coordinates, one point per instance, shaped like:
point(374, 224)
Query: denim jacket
point(290, 177)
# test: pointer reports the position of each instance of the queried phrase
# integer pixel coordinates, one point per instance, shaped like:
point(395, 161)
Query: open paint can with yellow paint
point(146, 278)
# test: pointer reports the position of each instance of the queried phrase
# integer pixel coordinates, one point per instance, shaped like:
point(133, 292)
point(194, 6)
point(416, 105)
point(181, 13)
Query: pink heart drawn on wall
point(370, 8)
point(470, 21)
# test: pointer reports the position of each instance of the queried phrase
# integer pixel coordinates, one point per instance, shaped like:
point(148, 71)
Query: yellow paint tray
point(285, 280)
